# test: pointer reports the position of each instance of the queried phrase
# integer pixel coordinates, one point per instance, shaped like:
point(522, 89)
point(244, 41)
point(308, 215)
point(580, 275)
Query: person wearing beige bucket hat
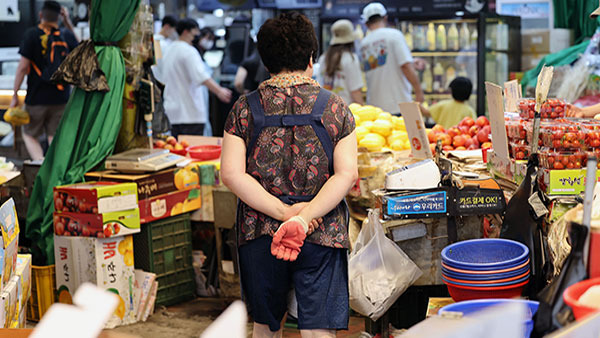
point(339, 65)
point(596, 12)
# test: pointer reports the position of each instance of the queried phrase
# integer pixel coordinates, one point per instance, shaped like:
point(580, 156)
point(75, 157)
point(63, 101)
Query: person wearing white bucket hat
point(387, 62)
point(339, 66)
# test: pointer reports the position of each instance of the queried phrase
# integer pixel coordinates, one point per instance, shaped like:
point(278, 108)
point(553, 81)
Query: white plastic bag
point(378, 270)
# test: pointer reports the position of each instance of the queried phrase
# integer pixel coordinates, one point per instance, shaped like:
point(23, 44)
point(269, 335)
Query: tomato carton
point(564, 182)
point(105, 262)
point(171, 204)
point(23, 279)
point(95, 197)
point(154, 184)
point(563, 159)
point(9, 225)
point(551, 109)
point(9, 305)
point(563, 136)
point(519, 150)
point(111, 224)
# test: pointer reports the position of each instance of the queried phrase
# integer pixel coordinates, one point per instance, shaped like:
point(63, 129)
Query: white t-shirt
point(344, 81)
point(164, 43)
point(182, 72)
point(383, 52)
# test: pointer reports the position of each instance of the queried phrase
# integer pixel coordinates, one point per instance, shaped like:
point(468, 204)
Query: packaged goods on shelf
point(105, 262)
point(95, 197)
point(10, 241)
point(111, 224)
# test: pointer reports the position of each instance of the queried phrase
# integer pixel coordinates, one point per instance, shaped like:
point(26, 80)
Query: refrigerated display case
point(482, 47)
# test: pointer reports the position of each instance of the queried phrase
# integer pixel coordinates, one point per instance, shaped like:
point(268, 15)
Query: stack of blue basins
point(485, 268)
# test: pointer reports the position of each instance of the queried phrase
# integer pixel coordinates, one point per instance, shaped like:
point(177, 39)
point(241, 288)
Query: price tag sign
point(496, 110)
point(511, 95)
point(415, 128)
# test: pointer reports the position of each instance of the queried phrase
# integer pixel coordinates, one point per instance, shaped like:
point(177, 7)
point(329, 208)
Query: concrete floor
point(192, 318)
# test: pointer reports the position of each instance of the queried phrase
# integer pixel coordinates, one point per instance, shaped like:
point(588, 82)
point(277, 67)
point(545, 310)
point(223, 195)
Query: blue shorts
point(319, 277)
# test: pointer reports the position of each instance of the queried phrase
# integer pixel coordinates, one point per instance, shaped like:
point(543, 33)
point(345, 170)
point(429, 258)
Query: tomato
point(564, 160)
point(570, 165)
point(558, 165)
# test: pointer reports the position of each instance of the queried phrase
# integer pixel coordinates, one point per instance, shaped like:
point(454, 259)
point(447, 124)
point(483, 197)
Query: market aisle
point(191, 318)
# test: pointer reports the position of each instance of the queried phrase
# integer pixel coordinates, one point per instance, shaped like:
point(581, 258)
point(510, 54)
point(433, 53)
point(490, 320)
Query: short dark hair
point(461, 88)
point(170, 20)
point(287, 43)
point(186, 24)
point(373, 19)
point(207, 32)
point(51, 11)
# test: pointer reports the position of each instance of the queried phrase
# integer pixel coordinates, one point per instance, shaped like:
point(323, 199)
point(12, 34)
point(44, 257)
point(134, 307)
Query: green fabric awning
point(89, 127)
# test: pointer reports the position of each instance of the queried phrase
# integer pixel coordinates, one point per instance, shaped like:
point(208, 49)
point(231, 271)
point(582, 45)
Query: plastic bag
point(82, 69)
point(379, 271)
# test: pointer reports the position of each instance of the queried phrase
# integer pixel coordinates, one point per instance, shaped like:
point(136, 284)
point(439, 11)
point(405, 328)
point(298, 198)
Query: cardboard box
point(95, 197)
point(23, 278)
point(564, 182)
point(9, 301)
point(171, 204)
point(20, 320)
point(105, 262)
point(110, 224)
point(154, 184)
point(10, 241)
point(66, 278)
point(545, 41)
point(531, 60)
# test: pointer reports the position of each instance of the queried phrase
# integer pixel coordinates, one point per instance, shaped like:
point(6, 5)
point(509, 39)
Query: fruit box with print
point(9, 225)
point(9, 306)
point(23, 280)
point(110, 224)
point(171, 204)
point(105, 262)
point(95, 197)
point(154, 184)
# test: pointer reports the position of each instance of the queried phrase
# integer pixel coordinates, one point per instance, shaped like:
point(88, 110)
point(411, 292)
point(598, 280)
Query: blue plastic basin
point(480, 277)
point(485, 254)
point(470, 307)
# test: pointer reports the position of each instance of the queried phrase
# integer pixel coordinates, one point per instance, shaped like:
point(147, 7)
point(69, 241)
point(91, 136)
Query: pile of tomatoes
point(469, 134)
point(551, 109)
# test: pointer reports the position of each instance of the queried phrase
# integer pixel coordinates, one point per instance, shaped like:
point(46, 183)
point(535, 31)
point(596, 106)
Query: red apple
point(482, 136)
point(453, 132)
point(458, 141)
point(185, 143)
point(475, 141)
point(171, 140)
point(473, 130)
point(432, 136)
point(460, 148)
point(447, 148)
point(438, 128)
point(482, 121)
point(464, 130)
point(472, 147)
point(159, 144)
point(467, 121)
point(487, 129)
point(468, 142)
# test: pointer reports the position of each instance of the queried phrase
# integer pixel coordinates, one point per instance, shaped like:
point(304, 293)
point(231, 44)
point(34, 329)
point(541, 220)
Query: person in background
point(289, 154)
point(43, 48)
point(250, 74)
point(387, 62)
point(167, 34)
point(449, 113)
point(182, 72)
point(204, 42)
point(340, 67)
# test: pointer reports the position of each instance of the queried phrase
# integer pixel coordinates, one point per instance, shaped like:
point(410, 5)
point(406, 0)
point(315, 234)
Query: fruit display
point(469, 134)
point(516, 129)
point(563, 136)
point(551, 109)
point(105, 225)
point(377, 130)
point(550, 159)
point(520, 150)
point(172, 144)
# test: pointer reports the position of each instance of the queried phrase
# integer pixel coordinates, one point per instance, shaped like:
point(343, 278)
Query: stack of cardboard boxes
point(15, 278)
point(537, 43)
point(93, 226)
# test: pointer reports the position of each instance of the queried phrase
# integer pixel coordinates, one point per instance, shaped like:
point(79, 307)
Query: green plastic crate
point(164, 247)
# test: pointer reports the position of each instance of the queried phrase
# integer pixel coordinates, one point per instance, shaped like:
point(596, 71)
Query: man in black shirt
point(250, 74)
point(42, 50)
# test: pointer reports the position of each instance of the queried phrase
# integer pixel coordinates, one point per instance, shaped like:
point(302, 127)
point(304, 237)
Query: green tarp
point(575, 15)
point(89, 127)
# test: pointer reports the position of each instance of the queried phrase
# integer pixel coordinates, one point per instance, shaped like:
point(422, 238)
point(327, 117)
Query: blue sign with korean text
point(427, 203)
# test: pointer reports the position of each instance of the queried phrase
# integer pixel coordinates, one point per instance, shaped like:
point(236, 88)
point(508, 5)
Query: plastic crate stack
point(93, 227)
